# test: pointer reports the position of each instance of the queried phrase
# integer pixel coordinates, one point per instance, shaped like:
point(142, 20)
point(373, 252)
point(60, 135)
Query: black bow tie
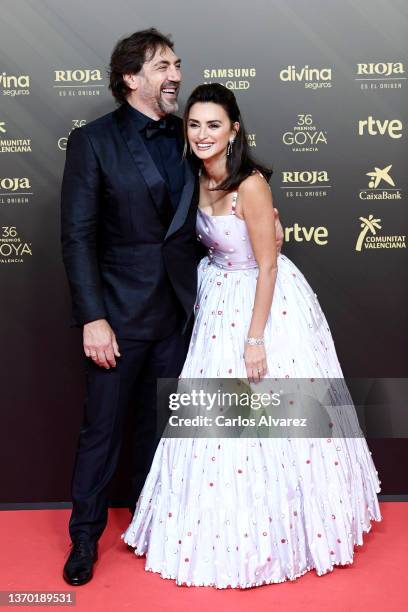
point(163, 126)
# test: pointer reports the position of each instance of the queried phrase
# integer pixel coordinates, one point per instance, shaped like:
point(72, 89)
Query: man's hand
point(100, 343)
point(278, 231)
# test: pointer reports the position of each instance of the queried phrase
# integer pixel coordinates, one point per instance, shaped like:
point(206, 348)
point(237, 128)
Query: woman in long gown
point(245, 512)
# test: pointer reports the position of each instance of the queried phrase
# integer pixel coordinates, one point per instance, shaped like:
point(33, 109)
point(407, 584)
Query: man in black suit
point(129, 202)
point(130, 253)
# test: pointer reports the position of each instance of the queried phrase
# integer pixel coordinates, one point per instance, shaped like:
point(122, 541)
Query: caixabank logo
point(305, 136)
point(8, 144)
point(78, 82)
point(373, 237)
point(15, 190)
point(14, 84)
point(235, 78)
point(13, 248)
point(305, 183)
point(307, 76)
point(380, 127)
point(380, 75)
point(381, 185)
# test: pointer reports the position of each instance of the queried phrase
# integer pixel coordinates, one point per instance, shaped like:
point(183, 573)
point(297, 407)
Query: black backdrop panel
point(322, 87)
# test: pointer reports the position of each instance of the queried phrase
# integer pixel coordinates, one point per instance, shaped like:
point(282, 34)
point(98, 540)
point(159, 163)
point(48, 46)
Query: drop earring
point(229, 148)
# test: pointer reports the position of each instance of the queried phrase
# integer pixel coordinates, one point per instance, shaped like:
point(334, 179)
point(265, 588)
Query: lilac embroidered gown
point(245, 512)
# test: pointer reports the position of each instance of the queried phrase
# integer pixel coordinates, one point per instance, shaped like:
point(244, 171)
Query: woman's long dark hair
point(240, 164)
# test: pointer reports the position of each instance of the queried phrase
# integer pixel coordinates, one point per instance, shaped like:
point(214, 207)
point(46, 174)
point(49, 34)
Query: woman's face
point(209, 130)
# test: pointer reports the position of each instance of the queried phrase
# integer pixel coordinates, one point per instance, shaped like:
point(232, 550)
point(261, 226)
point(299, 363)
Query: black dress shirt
point(165, 148)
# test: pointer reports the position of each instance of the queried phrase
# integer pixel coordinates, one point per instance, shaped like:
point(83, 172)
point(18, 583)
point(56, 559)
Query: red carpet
point(34, 545)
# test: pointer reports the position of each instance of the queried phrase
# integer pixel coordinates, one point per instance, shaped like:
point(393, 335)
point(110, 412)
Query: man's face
point(156, 86)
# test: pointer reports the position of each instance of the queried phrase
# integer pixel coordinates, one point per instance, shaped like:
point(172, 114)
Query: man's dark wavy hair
point(130, 54)
point(240, 164)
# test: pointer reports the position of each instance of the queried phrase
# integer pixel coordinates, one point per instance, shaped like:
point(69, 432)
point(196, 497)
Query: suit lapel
point(146, 165)
point(185, 200)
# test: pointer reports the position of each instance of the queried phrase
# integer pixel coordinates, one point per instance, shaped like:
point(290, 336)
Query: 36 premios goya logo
point(372, 236)
point(237, 78)
point(8, 144)
point(305, 183)
point(381, 185)
point(78, 82)
point(13, 248)
point(14, 84)
point(310, 78)
point(305, 136)
point(62, 142)
point(15, 190)
point(380, 75)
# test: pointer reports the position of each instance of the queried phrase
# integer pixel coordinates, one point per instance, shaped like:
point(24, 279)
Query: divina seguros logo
point(13, 85)
point(312, 78)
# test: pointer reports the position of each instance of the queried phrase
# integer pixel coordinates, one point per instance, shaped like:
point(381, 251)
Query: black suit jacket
point(129, 257)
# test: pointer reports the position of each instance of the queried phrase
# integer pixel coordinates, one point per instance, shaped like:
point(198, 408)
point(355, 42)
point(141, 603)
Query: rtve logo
point(373, 127)
point(79, 75)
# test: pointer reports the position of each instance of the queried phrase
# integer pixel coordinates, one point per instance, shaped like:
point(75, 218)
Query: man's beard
point(166, 106)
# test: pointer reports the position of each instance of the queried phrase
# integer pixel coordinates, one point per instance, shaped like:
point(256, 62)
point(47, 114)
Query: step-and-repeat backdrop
point(323, 91)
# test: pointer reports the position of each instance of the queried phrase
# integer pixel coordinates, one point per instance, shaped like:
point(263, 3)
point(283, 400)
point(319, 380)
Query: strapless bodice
point(226, 238)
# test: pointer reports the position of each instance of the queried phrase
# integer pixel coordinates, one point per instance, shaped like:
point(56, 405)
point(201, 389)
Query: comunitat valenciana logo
point(371, 238)
point(380, 127)
point(14, 85)
point(381, 185)
point(380, 75)
point(78, 82)
point(13, 145)
point(312, 78)
point(305, 183)
point(233, 78)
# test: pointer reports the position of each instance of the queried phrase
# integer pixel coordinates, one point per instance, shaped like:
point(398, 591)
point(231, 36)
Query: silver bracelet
point(254, 341)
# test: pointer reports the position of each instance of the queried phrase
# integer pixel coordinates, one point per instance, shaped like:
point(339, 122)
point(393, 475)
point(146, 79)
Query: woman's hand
point(255, 362)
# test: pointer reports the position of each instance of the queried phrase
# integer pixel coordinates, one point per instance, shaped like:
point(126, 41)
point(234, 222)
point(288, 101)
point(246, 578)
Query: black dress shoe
point(79, 566)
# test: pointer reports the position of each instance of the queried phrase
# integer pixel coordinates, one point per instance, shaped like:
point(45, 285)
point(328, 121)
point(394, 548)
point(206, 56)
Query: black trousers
point(108, 394)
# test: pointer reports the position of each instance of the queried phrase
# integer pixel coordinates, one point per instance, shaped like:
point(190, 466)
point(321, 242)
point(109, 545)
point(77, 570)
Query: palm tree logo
point(366, 225)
